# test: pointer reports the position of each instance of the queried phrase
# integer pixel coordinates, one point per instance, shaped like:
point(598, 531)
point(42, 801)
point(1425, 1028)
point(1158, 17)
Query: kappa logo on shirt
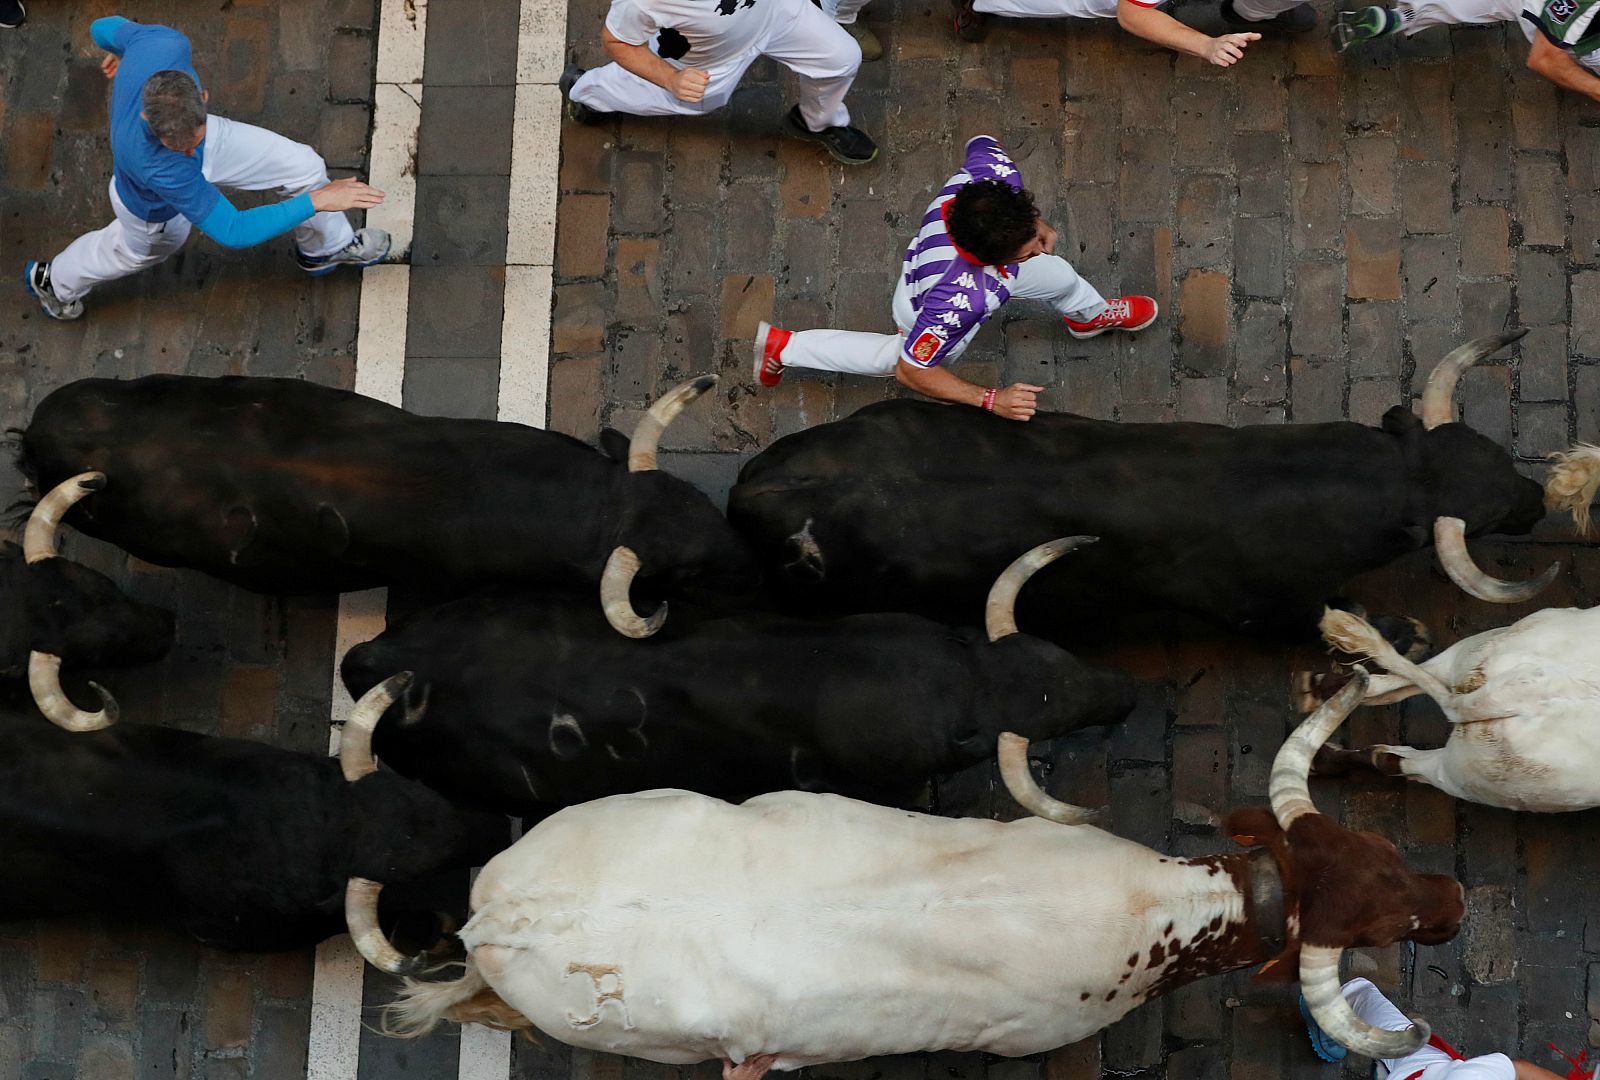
point(1561, 10)
point(728, 7)
point(926, 346)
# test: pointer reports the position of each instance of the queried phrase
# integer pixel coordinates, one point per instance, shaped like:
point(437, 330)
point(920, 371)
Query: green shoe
point(1367, 24)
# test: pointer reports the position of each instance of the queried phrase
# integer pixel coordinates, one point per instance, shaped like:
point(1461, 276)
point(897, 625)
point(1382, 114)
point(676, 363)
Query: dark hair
point(173, 106)
point(992, 221)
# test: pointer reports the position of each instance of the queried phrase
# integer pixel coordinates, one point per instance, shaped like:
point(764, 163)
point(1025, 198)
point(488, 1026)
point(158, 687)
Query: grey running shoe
point(1365, 24)
point(848, 145)
point(36, 279)
point(370, 246)
point(1297, 20)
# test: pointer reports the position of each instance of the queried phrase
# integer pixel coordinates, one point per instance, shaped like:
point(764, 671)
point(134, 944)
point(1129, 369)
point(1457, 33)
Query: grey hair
point(173, 106)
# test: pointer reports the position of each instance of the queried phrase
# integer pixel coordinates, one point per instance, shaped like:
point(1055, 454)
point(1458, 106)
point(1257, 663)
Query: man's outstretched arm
point(1156, 25)
point(1562, 68)
point(1015, 402)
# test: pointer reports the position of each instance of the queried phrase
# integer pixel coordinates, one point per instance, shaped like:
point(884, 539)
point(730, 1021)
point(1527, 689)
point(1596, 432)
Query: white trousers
point(1419, 15)
point(1044, 277)
point(1370, 1004)
point(237, 155)
point(1107, 9)
point(803, 39)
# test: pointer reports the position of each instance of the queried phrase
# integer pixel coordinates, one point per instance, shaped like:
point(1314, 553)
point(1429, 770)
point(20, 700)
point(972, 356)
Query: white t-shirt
point(702, 34)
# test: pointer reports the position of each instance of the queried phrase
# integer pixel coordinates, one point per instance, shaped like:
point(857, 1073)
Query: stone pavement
point(1317, 232)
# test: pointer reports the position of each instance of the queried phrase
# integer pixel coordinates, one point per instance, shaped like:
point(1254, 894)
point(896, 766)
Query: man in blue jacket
point(169, 159)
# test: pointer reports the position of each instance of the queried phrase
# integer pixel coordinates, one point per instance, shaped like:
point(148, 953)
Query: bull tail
point(1573, 481)
point(421, 1005)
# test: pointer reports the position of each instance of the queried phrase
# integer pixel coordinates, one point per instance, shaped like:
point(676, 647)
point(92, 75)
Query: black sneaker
point(969, 24)
point(848, 145)
point(12, 14)
point(1299, 19)
point(576, 110)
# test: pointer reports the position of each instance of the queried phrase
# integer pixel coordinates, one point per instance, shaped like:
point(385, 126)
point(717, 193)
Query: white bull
point(812, 928)
point(1523, 702)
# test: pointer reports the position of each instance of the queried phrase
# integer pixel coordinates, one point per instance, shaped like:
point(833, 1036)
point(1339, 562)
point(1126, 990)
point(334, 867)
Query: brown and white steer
point(1523, 703)
point(813, 928)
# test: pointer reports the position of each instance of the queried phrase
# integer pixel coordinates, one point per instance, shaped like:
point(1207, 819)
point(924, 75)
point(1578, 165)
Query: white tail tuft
point(421, 1006)
point(1574, 479)
point(1351, 634)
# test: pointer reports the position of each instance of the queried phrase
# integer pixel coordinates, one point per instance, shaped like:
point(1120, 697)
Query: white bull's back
point(676, 927)
point(1529, 709)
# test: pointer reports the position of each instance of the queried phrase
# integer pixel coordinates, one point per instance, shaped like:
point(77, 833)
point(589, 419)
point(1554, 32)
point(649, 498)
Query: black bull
point(908, 505)
point(530, 703)
point(283, 486)
point(244, 846)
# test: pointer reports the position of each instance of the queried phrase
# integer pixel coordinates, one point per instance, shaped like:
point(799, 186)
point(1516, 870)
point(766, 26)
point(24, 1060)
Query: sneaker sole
point(1125, 329)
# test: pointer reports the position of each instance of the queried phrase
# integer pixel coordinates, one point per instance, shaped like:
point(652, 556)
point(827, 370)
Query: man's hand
point(689, 85)
point(1019, 401)
point(109, 65)
point(347, 194)
point(753, 1067)
point(1228, 50)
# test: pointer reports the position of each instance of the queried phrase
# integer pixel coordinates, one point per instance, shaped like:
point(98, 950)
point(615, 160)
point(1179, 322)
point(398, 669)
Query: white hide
point(1525, 710)
point(675, 927)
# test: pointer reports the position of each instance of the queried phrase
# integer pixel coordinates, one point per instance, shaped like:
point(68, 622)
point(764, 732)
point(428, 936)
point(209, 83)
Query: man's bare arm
point(1016, 402)
point(685, 84)
point(1155, 25)
point(1527, 1070)
point(1563, 69)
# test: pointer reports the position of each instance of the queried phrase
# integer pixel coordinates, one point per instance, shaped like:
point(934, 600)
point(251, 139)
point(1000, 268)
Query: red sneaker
point(1122, 313)
point(769, 353)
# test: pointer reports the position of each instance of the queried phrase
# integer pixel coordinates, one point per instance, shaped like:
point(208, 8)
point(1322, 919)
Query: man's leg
point(849, 351)
point(613, 88)
point(1087, 314)
point(252, 158)
point(1410, 17)
point(826, 59)
point(1368, 1002)
point(126, 246)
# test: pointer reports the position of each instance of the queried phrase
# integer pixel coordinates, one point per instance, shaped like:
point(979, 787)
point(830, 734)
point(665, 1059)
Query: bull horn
point(1450, 538)
point(1573, 482)
point(1319, 982)
point(44, 679)
point(355, 741)
point(999, 614)
point(1288, 789)
point(1026, 790)
point(39, 540)
point(615, 583)
point(361, 894)
point(646, 437)
point(1438, 397)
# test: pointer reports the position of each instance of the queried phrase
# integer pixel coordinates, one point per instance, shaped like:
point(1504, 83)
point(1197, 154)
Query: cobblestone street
point(1317, 229)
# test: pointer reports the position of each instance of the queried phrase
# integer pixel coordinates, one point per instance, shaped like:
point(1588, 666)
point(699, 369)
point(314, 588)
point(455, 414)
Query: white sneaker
point(36, 279)
point(370, 246)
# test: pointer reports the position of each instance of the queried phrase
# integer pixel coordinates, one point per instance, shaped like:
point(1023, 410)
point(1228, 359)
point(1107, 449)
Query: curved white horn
point(44, 680)
point(361, 894)
point(1319, 982)
point(355, 741)
point(1450, 538)
point(361, 916)
point(1288, 788)
point(39, 540)
point(1439, 396)
point(999, 613)
point(647, 436)
point(615, 583)
point(1020, 782)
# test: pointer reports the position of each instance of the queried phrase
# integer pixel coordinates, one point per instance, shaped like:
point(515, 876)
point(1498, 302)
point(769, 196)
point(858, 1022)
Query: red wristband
point(988, 398)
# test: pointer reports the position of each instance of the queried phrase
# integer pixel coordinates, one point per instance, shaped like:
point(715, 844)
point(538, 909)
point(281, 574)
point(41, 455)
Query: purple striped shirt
point(952, 295)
